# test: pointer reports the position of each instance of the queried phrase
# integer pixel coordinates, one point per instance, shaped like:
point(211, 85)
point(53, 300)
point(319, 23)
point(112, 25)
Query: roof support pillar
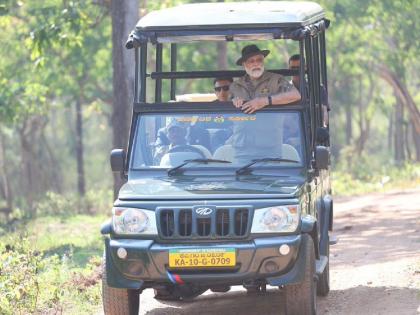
point(158, 86)
point(142, 70)
point(173, 69)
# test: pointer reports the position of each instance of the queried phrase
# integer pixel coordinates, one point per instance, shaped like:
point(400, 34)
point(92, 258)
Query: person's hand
point(252, 106)
point(237, 102)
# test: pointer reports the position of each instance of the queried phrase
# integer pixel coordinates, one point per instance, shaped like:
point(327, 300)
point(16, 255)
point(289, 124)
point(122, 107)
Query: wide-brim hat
point(250, 51)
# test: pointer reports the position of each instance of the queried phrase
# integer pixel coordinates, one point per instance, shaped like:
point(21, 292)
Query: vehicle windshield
point(167, 140)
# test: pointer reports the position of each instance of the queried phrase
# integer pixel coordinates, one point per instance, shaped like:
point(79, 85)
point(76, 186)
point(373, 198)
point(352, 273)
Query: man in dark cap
point(176, 133)
point(259, 88)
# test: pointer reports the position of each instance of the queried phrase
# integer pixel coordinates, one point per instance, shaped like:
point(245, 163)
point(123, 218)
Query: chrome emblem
point(203, 211)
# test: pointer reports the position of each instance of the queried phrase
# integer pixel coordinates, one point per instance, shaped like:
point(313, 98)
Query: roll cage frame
point(312, 45)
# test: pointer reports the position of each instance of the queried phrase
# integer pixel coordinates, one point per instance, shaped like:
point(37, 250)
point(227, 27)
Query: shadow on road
point(371, 300)
point(236, 302)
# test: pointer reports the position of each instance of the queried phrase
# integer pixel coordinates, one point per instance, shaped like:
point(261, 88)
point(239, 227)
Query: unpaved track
point(375, 267)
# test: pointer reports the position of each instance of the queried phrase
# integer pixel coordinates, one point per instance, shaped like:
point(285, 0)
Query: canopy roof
point(232, 21)
point(232, 15)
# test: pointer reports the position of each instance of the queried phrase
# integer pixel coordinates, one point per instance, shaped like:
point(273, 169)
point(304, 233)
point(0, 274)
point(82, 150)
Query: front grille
point(221, 223)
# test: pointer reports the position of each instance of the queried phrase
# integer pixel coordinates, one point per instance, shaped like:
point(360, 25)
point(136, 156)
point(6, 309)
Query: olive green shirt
point(268, 84)
point(265, 138)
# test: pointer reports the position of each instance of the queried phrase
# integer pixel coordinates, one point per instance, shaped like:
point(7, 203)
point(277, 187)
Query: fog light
point(271, 266)
point(284, 249)
point(122, 253)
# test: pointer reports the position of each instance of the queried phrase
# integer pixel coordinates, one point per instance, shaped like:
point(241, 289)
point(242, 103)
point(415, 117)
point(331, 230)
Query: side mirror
point(117, 160)
point(322, 157)
point(322, 136)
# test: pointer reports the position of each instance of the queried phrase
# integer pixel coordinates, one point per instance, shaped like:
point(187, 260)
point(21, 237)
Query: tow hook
point(252, 288)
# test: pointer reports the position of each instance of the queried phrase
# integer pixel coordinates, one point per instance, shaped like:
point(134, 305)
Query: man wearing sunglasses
point(294, 64)
point(259, 88)
point(221, 89)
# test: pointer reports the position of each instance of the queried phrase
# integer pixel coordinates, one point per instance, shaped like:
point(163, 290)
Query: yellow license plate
point(198, 257)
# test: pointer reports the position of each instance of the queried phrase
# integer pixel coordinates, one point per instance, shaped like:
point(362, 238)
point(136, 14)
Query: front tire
point(301, 297)
point(118, 301)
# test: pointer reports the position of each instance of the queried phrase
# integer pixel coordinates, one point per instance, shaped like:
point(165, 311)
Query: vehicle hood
point(218, 187)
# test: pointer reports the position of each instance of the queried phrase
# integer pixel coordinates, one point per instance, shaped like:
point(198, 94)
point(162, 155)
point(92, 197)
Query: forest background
point(65, 99)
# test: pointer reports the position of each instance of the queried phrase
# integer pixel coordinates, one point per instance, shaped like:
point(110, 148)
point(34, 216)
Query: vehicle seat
point(225, 152)
point(176, 158)
point(218, 138)
point(289, 152)
point(203, 149)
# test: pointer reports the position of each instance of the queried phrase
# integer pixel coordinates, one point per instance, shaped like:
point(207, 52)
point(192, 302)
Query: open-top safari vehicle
point(206, 214)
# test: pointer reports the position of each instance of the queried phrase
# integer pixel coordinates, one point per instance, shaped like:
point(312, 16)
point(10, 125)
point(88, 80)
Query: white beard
point(255, 73)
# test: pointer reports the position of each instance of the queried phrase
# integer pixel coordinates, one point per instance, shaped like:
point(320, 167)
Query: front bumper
point(147, 263)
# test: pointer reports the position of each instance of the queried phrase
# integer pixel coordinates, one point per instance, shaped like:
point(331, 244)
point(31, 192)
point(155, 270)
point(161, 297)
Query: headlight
point(276, 219)
point(133, 221)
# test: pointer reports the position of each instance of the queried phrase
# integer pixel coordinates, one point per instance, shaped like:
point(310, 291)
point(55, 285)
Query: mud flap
point(325, 223)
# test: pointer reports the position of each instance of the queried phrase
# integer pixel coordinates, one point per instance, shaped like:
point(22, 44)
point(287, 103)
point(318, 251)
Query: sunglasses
point(219, 88)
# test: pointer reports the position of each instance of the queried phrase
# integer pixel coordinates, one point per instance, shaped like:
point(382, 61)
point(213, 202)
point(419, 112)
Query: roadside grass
point(51, 265)
point(366, 178)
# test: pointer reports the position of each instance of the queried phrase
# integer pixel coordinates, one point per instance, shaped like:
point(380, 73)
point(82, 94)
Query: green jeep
point(212, 213)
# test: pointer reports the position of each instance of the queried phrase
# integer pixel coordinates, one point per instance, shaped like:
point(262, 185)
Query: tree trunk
point(416, 141)
point(391, 129)
point(124, 18)
point(79, 149)
point(407, 143)
point(402, 92)
point(349, 128)
point(399, 132)
point(222, 56)
point(4, 178)
point(33, 179)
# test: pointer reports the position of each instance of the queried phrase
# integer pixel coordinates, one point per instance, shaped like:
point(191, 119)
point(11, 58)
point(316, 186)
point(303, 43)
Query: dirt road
point(375, 267)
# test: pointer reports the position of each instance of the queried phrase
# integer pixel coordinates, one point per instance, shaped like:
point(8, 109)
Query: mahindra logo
point(203, 211)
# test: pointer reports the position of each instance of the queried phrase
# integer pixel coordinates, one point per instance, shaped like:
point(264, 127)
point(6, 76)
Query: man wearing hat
point(259, 88)
point(252, 92)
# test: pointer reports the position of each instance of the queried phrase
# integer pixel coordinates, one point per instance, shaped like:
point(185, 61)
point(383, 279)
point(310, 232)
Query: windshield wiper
point(245, 169)
point(174, 170)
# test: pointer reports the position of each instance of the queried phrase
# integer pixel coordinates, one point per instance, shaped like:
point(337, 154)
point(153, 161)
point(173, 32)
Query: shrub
point(19, 284)
point(363, 175)
point(94, 202)
point(32, 283)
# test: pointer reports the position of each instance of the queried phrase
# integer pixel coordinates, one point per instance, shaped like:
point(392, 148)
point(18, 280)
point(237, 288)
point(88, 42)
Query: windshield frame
point(192, 108)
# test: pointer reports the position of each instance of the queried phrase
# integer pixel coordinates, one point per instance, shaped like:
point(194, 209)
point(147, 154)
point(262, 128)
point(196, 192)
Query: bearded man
point(259, 88)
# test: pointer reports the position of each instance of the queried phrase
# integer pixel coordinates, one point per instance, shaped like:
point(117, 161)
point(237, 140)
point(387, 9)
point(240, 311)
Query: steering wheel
point(186, 148)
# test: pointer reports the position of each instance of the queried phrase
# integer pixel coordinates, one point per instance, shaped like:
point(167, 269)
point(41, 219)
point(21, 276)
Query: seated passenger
point(221, 89)
point(252, 92)
point(294, 64)
point(198, 133)
point(259, 88)
point(175, 133)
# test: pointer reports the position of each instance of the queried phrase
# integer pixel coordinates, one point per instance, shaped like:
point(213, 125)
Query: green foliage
point(94, 202)
point(19, 278)
point(356, 175)
point(53, 269)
